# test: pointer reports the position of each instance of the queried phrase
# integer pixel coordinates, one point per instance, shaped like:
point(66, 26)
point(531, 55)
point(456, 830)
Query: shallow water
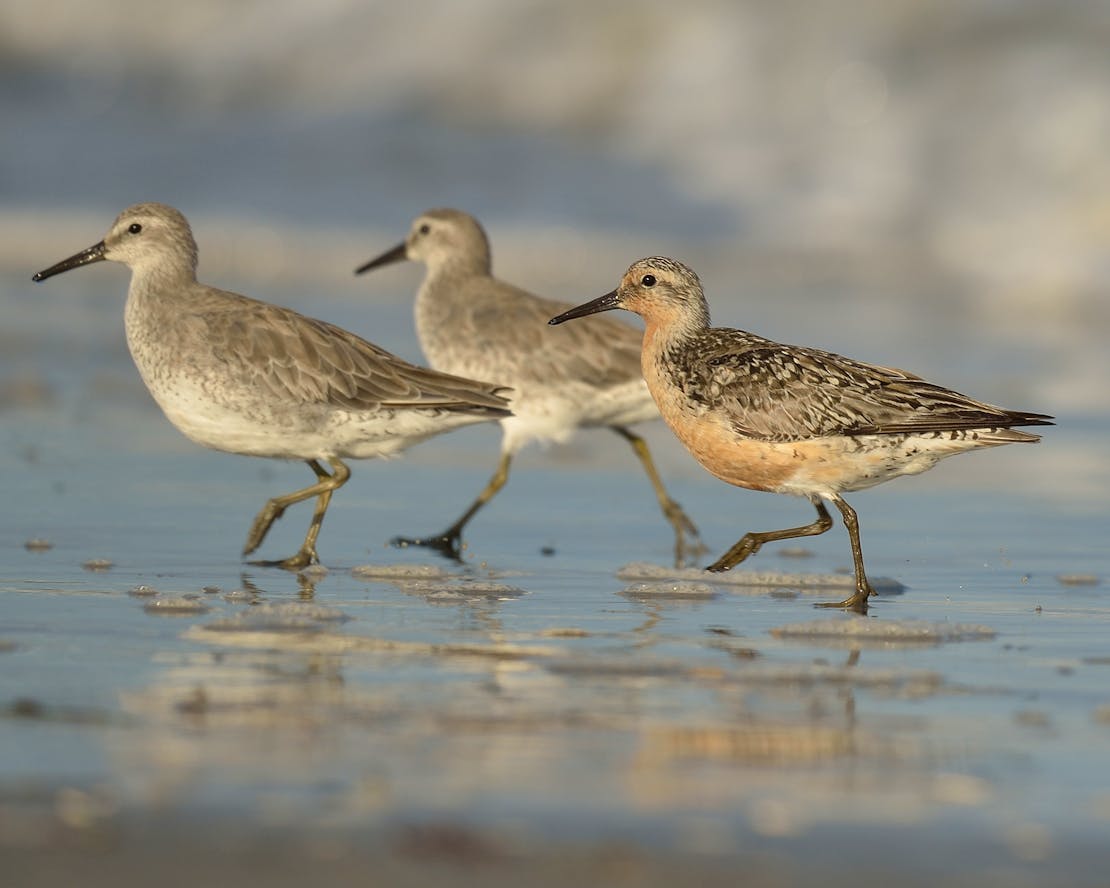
point(920, 191)
point(532, 698)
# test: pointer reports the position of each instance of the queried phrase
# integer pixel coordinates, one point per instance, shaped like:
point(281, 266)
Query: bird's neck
point(161, 278)
point(156, 298)
point(438, 293)
point(458, 266)
point(668, 326)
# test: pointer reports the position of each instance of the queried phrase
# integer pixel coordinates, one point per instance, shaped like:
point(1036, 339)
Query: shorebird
point(785, 419)
point(472, 323)
point(248, 377)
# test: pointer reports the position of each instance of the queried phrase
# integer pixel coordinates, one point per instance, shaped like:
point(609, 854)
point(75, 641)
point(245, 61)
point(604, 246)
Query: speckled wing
point(302, 360)
point(508, 328)
point(776, 392)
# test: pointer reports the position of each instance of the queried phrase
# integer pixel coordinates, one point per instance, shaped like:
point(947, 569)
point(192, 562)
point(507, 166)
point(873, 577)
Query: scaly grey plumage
point(473, 323)
point(788, 419)
point(248, 377)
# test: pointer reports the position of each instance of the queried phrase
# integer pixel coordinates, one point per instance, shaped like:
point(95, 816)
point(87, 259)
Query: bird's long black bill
point(397, 254)
point(603, 303)
point(95, 253)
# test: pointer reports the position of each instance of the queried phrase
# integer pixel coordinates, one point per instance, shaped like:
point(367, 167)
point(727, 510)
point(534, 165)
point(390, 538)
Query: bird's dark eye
point(648, 280)
point(134, 228)
point(425, 228)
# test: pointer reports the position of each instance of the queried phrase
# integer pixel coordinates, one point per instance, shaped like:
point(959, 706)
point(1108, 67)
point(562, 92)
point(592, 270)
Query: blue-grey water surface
point(532, 694)
point(917, 189)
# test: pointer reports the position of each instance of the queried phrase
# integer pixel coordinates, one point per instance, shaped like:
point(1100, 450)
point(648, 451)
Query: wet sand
point(918, 192)
point(446, 854)
point(563, 707)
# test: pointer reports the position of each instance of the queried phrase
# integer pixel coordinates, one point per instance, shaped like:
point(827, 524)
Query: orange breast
point(708, 435)
point(756, 465)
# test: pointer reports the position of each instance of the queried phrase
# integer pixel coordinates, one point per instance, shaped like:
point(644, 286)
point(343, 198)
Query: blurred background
point(918, 184)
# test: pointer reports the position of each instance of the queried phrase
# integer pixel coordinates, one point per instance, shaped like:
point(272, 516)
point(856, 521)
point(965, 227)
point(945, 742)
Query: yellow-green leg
point(750, 543)
point(326, 484)
point(672, 511)
point(864, 590)
point(449, 542)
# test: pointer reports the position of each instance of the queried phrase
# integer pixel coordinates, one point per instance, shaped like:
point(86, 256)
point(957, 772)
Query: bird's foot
point(746, 547)
point(856, 602)
point(688, 547)
point(448, 544)
point(304, 558)
point(261, 525)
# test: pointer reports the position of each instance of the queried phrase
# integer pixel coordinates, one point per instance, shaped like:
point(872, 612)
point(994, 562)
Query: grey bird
point(243, 376)
point(472, 323)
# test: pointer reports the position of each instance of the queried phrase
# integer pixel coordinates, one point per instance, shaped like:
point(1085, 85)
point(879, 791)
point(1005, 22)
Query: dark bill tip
point(396, 254)
point(95, 253)
point(603, 303)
